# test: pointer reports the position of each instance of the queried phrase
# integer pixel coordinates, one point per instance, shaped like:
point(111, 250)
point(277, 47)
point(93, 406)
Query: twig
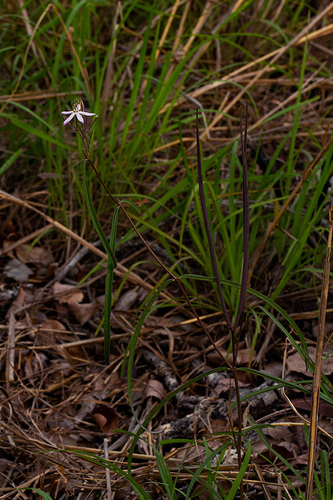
point(318, 361)
point(107, 470)
point(10, 349)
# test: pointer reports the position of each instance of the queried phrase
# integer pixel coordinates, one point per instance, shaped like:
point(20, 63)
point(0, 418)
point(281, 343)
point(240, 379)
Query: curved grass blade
point(205, 464)
point(240, 475)
point(106, 463)
point(8, 163)
point(41, 493)
point(165, 476)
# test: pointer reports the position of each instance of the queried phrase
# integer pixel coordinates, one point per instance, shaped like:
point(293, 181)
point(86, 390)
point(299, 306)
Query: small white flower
point(76, 112)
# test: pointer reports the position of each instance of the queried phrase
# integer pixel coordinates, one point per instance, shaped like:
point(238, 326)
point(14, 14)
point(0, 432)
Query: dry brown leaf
point(73, 295)
point(52, 325)
point(82, 312)
point(279, 433)
point(5, 245)
point(286, 449)
point(218, 425)
point(37, 255)
point(16, 270)
point(243, 357)
point(154, 388)
point(224, 385)
point(274, 368)
point(106, 418)
point(325, 409)
point(295, 363)
point(126, 300)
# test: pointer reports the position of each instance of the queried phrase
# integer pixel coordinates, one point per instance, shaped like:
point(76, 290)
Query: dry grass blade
point(166, 29)
point(300, 38)
point(25, 239)
point(319, 355)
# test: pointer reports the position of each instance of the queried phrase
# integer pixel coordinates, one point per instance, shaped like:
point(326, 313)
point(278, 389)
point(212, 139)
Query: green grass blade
point(34, 131)
point(165, 476)
point(204, 464)
point(8, 163)
point(101, 462)
point(241, 473)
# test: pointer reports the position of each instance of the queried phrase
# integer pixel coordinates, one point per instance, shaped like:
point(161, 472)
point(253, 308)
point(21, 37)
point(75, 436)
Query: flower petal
point(66, 112)
point(69, 118)
point(79, 117)
point(87, 114)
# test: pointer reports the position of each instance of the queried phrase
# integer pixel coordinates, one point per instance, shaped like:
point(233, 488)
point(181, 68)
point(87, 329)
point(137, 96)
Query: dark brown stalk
point(246, 237)
point(208, 231)
point(246, 222)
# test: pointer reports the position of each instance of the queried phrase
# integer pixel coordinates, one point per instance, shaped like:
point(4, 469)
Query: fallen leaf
point(126, 300)
point(224, 385)
point(155, 389)
point(73, 295)
point(82, 312)
point(37, 255)
point(243, 357)
point(106, 418)
point(274, 368)
point(295, 363)
point(18, 271)
point(52, 325)
point(324, 409)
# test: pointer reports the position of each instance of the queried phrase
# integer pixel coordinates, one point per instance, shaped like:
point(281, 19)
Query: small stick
point(317, 372)
point(10, 349)
point(107, 470)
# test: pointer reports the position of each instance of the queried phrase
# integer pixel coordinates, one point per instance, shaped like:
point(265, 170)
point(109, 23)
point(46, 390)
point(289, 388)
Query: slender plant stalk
point(318, 362)
point(246, 237)
point(176, 278)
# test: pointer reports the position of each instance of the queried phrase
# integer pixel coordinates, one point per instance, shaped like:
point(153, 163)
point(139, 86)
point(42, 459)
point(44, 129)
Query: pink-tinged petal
point(66, 112)
point(69, 118)
point(87, 114)
point(79, 117)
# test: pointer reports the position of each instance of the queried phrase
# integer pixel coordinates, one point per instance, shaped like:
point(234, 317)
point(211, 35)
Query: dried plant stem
point(318, 362)
point(246, 230)
point(107, 470)
point(10, 349)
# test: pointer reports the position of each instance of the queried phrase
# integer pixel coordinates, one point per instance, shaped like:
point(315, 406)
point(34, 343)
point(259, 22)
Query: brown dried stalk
point(318, 361)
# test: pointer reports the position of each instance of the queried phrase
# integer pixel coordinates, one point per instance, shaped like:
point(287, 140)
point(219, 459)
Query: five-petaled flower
point(77, 113)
